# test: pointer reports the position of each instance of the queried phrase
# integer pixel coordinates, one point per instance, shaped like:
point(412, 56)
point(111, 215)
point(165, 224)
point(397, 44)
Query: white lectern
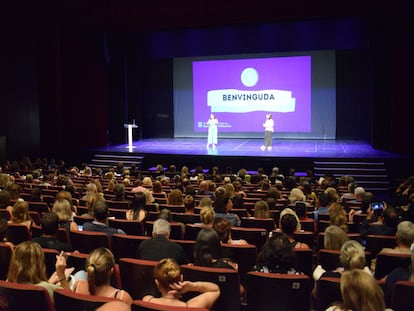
point(129, 128)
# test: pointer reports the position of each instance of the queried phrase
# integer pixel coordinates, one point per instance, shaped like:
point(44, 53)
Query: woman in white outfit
point(212, 131)
point(269, 128)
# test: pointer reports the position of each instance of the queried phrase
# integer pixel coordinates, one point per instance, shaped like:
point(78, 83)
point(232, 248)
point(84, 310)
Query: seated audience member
point(169, 281)
point(238, 201)
point(27, 266)
point(205, 202)
point(405, 238)
point(261, 209)
point(36, 195)
point(5, 200)
point(20, 214)
point(137, 211)
point(223, 229)
point(337, 216)
point(398, 274)
point(352, 256)
point(360, 292)
point(208, 251)
point(157, 189)
point(63, 209)
point(175, 197)
point(334, 238)
point(207, 216)
point(120, 194)
point(322, 207)
point(277, 256)
point(159, 246)
point(100, 222)
point(222, 207)
point(3, 229)
point(91, 189)
point(50, 226)
point(296, 194)
point(90, 202)
point(300, 210)
point(288, 225)
point(203, 189)
point(382, 222)
point(99, 268)
point(189, 204)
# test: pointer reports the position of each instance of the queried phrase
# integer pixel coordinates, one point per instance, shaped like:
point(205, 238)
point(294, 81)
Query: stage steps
point(368, 173)
point(108, 159)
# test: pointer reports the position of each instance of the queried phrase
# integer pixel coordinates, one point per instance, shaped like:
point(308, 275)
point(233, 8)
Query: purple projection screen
point(240, 92)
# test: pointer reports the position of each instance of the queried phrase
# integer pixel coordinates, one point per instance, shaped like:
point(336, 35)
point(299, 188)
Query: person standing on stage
point(269, 127)
point(212, 131)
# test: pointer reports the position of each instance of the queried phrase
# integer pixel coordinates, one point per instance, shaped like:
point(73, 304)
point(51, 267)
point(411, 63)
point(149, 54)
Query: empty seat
point(126, 246)
point(328, 292)
point(402, 296)
point(265, 223)
point(86, 241)
point(18, 233)
point(375, 243)
point(244, 255)
point(131, 227)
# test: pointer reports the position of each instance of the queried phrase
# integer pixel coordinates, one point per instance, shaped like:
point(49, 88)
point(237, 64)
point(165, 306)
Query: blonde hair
point(207, 215)
point(360, 291)
point(64, 195)
point(99, 268)
point(27, 264)
point(296, 194)
point(352, 255)
point(167, 272)
point(261, 209)
point(20, 212)
point(334, 238)
point(63, 209)
point(147, 181)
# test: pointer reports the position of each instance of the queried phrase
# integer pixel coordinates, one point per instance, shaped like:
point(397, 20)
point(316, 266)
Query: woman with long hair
point(137, 211)
point(169, 281)
point(20, 214)
point(99, 268)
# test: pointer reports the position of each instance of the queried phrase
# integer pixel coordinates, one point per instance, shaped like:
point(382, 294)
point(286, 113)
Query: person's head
point(91, 201)
point(161, 227)
point(99, 267)
point(100, 211)
point(147, 182)
point(36, 195)
point(296, 194)
point(138, 201)
point(207, 215)
point(288, 224)
point(207, 247)
point(63, 209)
point(3, 228)
point(261, 209)
point(189, 203)
point(119, 191)
point(352, 255)
point(332, 194)
point(20, 211)
point(390, 216)
point(91, 188)
point(361, 292)
point(50, 223)
point(156, 187)
point(290, 211)
point(274, 193)
point(359, 193)
point(167, 272)
point(405, 233)
point(175, 197)
point(337, 216)
point(4, 198)
point(205, 202)
point(27, 264)
point(277, 253)
point(223, 204)
point(165, 214)
point(268, 116)
point(223, 229)
point(334, 238)
point(323, 199)
point(238, 201)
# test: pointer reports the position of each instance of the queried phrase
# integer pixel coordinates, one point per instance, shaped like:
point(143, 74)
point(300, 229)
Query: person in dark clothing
point(159, 246)
point(380, 222)
point(100, 223)
point(50, 225)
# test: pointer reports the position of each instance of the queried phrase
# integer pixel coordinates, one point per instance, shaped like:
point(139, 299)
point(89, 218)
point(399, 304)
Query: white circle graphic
point(249, 77)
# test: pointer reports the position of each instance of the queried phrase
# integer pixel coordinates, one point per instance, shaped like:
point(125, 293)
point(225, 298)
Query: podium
point(129, 128)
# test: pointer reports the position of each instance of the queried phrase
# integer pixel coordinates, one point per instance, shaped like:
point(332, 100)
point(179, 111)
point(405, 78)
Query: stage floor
point(251, 148)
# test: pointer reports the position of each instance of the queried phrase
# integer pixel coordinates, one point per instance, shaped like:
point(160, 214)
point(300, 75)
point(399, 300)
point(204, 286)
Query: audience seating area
point(288, 292)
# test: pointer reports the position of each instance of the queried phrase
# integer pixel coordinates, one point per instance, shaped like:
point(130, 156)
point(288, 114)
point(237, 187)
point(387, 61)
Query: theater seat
point(402, 296)
point(139, 305)
point(386, 262)
point(67, 300)
point(329, 292)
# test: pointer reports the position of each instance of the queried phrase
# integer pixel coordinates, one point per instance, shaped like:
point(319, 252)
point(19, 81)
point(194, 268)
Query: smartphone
point(377, 206)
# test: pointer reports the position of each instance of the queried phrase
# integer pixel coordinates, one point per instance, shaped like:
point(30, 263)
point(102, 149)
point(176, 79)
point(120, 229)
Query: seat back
point(329, 259)
point(17, 297)
point(266, 223)
point(40, 207)
point(139, 305)
point(177, 229)
point(321, 238)
point(328, 292)
point(50, 260)
point(244, 255)
point(17, 233)
point(137, 277)
point(386, 262)
point(283, 291)
point(307, 237)
point(86, 241)
point(227, 279)
point(188, 247)
point(375, 243)
point(305, 260)
point(255, 236)
point(185, 218)
point(402, 296)
point(192, 230)
point(67, 300)
point(6, 251)
point(131, 227)
point(126, 246)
